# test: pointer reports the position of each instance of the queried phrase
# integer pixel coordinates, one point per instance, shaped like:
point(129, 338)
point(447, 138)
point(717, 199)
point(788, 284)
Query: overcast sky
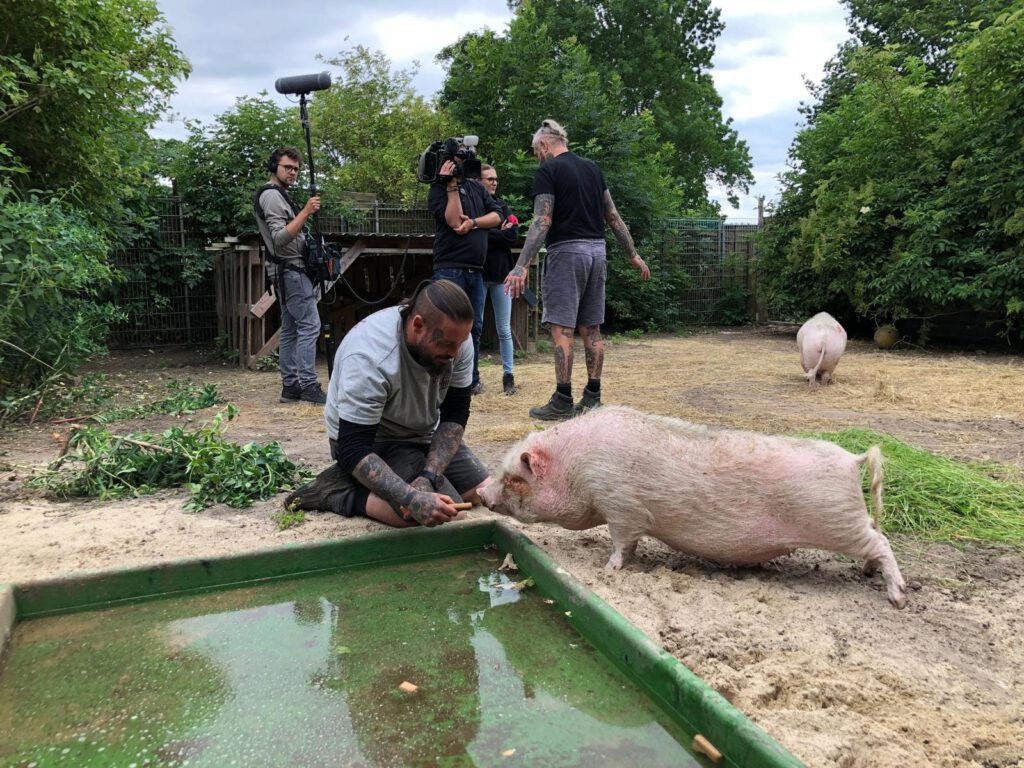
point(240, 47)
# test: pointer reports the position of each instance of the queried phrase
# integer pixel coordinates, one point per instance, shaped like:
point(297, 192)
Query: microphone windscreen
point(303, 83)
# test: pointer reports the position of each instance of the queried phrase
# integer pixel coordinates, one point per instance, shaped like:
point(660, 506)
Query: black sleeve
point(355, 443)
point(455, 407)
point(437, 200)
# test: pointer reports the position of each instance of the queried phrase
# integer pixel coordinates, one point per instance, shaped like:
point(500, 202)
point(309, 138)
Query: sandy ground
point(805, 646)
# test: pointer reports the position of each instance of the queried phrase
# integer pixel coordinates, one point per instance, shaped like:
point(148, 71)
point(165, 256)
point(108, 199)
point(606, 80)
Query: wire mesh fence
point(719, 260)
point(717, 257)
point(163, 309)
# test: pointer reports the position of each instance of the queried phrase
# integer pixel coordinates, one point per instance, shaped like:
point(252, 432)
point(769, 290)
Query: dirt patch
point(805, 646)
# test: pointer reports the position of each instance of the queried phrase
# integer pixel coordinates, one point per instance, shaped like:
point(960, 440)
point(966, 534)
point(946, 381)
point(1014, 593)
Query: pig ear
point(536, 462)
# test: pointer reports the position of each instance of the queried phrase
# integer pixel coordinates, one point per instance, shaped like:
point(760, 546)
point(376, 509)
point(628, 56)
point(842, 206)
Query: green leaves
point(52, 270)
point(216, 471)
point(906, 192)
point(80, 83)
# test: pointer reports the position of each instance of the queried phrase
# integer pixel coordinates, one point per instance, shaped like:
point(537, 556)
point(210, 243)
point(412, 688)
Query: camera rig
point(433, 157)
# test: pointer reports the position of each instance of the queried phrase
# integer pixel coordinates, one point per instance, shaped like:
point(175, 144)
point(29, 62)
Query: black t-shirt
point(451, 249)
point(578, 187)
point(499, 248)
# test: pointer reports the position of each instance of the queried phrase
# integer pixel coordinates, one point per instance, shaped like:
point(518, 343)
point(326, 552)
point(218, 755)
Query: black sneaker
point(557, 408)
point(291, 393)
point(508, 384)
point(316, 494)
point(477, 389)
point(313, 394)
point(588, 401)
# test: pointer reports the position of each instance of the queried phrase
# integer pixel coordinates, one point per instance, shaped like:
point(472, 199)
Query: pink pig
point(723, 495)
point(821, 341)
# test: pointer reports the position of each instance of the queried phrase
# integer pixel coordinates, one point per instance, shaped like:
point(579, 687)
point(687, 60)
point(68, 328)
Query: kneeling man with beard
point(396, 410)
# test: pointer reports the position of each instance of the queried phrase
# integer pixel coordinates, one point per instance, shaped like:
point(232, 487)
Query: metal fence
point(717, 257)
point(719, 260)
point(162, 310)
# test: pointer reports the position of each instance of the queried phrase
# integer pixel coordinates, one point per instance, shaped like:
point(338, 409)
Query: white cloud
point(790, 9)
point(404, 36)
point(758, 75)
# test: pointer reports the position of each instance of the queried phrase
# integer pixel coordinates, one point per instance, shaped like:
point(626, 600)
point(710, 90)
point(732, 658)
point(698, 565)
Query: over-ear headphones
point(272, 162)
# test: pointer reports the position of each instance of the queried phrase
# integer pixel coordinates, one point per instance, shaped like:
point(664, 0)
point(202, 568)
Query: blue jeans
point(502, 306)
point(472, 282)
point(300, 328)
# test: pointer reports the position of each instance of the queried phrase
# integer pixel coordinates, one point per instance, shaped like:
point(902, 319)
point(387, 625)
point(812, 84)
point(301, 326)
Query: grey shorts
point(464, 473)
point(575, 273)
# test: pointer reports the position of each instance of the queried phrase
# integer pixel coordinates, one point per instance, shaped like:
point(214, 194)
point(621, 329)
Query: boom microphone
point(303, 83)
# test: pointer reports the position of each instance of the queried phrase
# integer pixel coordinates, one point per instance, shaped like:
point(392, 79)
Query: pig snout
point(489, 494)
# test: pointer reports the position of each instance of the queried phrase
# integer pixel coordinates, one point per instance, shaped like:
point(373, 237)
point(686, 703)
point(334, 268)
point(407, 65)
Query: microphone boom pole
point(303, 85)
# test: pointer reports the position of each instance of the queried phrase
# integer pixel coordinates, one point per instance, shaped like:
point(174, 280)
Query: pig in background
point(821, 341)
point(729, 496)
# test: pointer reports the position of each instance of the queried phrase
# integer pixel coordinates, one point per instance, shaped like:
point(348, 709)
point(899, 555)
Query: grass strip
point(941, 499)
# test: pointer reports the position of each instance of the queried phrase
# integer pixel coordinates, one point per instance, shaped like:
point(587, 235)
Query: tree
point(500, 87)
point(905, 195)
point(660, 52)
point(80, 83)
point(372, 126)
point(218, 168)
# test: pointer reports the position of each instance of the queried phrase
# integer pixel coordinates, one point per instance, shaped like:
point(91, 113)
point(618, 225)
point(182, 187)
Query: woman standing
point(496, 267)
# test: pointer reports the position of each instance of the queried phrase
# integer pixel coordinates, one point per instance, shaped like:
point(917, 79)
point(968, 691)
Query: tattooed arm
point(611, 215)
point(424, 506)
point(543, 207)
point(444, 445)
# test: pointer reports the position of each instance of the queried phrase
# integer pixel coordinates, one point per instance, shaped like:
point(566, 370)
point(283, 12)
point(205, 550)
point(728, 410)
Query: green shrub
point(53, 268)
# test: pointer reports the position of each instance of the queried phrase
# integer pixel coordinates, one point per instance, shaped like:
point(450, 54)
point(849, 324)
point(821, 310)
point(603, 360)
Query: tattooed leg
point(593, 348)
point(562, 338)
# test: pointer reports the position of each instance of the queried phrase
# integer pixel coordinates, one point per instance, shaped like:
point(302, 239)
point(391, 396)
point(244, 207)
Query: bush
point(53, 268)
point(654, 305)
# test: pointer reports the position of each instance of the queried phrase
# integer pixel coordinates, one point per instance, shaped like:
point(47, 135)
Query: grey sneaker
point(313, 394)
point(557, 408)
point(508, 384)
point(316, 494)
point(588, 401)
point(477, 389)
point(290, 393)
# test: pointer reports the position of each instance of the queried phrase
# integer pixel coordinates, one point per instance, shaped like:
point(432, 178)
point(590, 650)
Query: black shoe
point(557, 408)
point(508, 384)
point(317, 493)
point(313, 394)
point(588, 401)
point(477, 389)
point(291, 393)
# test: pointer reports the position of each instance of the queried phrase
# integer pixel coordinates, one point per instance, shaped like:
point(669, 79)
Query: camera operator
point(280, 222)
point(462, 211)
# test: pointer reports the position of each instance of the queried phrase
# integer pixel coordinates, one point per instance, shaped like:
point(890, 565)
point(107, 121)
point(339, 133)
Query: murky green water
point(307, 673)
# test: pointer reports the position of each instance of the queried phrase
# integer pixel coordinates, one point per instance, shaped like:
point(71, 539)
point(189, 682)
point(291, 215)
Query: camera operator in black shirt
point(462, 210)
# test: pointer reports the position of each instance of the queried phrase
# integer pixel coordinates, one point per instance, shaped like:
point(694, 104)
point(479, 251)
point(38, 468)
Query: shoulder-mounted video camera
point(456, 148)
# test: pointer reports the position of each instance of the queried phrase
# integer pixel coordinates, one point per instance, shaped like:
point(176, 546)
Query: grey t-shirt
point(277, 213)
point(376, 381)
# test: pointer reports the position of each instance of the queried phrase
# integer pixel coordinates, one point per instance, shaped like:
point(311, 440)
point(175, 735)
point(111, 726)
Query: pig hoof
point(899, 601)
point(614, 564)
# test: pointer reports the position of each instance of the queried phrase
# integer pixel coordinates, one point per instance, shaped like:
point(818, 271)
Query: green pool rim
point(679, 692)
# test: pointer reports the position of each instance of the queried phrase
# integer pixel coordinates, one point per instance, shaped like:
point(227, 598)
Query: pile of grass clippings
point(106, 466)
point(939, 499)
